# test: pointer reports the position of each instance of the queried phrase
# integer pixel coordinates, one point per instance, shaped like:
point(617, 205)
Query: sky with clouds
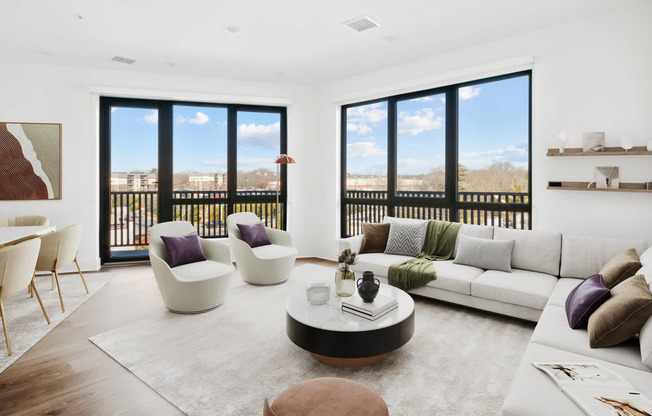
point(200, 139)
point(493, 127)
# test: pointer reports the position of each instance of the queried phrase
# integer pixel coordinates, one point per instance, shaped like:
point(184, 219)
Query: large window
point(198, 162)
point(457, 153)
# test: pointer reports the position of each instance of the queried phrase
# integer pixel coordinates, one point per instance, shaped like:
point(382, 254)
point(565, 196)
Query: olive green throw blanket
point(439, 245)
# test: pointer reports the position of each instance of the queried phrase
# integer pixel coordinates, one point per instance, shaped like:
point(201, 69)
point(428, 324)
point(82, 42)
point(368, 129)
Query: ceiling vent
point(361, 24)
point(123, 60)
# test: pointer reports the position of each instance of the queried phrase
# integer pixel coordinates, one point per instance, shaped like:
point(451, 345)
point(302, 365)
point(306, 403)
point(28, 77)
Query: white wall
point(589, 75)
point(69, 96)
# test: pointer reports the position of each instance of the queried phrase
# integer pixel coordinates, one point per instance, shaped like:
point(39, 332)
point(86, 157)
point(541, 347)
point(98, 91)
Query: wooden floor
point(66, 374)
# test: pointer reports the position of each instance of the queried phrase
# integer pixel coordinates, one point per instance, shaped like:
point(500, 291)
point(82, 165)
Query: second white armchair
point(266, 264)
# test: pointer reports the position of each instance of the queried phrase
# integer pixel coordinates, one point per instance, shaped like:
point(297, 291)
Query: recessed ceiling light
point(123, 60)
point(232, 30)
point(361, 24)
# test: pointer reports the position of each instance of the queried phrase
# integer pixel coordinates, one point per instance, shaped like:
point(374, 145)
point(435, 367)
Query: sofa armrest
point(354, 243)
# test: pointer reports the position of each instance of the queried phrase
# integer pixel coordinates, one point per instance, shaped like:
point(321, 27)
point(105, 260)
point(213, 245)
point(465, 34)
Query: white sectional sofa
point(546, 266)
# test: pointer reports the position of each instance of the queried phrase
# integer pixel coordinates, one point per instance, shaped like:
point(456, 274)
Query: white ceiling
point(295, 41)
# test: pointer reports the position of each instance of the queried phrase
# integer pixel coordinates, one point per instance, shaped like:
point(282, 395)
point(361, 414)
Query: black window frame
point(165, 110)
point(450, 202)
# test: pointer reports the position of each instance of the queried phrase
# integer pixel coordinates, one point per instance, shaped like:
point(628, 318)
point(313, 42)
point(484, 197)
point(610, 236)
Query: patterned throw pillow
point(405, 238)
point(183, 250)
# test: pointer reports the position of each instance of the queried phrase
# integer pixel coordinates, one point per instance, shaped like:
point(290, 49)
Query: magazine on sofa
point(597, 390)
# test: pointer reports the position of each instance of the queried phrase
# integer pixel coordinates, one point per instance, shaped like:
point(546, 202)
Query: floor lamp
point(280, 160)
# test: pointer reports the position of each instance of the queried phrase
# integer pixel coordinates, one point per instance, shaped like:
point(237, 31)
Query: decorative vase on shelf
point(368, 286)
point(344, 282)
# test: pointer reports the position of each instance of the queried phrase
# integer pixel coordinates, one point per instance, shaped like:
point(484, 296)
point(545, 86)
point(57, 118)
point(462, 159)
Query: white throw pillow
point(645, 338)
point(405, 237)
point(646, 257)
point(485, 254)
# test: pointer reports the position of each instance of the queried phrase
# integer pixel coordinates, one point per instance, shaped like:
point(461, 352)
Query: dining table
point(17, 234)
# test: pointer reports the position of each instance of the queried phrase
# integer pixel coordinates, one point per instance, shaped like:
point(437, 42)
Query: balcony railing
point(499, 209)
point(133, 214)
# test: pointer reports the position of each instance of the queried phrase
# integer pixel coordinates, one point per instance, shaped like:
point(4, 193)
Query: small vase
point(344, 282)
point(368, 286)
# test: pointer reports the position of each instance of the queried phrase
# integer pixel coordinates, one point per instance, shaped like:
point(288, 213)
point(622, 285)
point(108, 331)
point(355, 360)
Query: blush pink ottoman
point(327, 397)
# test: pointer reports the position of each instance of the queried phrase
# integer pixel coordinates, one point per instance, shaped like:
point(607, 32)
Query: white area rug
point(225, 362)
point(25, 319)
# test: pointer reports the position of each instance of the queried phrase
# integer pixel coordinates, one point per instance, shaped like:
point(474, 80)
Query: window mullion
point(452, 99)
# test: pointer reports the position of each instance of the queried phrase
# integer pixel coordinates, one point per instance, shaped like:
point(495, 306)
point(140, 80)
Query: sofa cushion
point(377, 262)
point(538, 251)
point(563, 288)
point(619, 268)
point(553, 330)
point(201, 270)
point(533, 393)
point(485, 254)
point(478, 231)
point(646, 257)
point(374, 237)
point(405, 238)
point(454, 277)
point(645, 340)
point(584, 300)
point(583, 256)
point(273, 251)
point(623, 315)
point(520, 287)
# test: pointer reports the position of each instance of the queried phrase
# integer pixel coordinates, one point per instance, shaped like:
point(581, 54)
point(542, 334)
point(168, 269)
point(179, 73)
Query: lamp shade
point(284, 159)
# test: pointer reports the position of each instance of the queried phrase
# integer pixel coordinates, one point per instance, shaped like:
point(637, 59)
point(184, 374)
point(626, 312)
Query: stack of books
point(369, 310)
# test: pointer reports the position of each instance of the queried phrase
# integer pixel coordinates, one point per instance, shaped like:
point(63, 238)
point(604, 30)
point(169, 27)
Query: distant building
point(134, 181)
point(207, 181)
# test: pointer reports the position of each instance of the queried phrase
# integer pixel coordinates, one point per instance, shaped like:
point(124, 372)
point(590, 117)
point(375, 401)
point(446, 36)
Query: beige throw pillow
point(623, 315)
point(624, 265)
point(375, 237)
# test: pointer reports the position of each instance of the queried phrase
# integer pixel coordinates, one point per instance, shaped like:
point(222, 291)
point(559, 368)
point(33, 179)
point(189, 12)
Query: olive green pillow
point(624, 265)
point(623, 315)
point(375, 237)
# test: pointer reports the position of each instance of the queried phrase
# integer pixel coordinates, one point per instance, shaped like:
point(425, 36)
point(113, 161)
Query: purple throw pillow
point(183, 250)
point(254, 234)
point(585, 299)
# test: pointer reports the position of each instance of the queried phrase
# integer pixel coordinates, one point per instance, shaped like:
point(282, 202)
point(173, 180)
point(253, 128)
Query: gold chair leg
point(82, 276)
point(52, 276)
point(33, 286)
point(29, 287)
point(56, 278)
point(4, 323)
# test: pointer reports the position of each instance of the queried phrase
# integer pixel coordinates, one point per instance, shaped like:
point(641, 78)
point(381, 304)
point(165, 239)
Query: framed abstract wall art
point(30, 161)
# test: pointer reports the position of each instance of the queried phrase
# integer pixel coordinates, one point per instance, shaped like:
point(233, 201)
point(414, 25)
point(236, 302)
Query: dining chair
point(16, 271)
point(59, 249)
point(25, 221)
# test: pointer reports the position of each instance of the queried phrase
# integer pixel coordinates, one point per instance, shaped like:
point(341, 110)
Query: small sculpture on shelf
point(593, 142)
point(562, 137)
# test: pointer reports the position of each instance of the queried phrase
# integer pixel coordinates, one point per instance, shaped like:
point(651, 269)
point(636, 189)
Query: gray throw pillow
point(485, 254)
point(405, 238)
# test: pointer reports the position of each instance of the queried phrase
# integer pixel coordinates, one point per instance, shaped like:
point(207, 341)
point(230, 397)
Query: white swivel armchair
point(263, 265)
point(25, 221)
point(59, 249)
point(193, 287)
point(16, 272)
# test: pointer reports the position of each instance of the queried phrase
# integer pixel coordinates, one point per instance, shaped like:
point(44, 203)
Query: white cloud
point(113, 109)
point(516, 155)
point(360, 129)
point(359, 118)
point(364, 149)
point(199, 119)
point(419, 121)
point(424, 99)
point(264, 135)
point(151, 118)
point(466, 93)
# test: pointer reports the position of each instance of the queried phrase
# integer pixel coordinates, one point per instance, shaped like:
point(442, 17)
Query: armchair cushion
point(254, 234)
point(183, 250)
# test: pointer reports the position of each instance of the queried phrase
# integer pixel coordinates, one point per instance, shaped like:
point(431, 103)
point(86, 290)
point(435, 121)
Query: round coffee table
point(340, 338)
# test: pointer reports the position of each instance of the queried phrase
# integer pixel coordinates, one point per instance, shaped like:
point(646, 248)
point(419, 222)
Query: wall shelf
point(609, 151)
point(584, 186)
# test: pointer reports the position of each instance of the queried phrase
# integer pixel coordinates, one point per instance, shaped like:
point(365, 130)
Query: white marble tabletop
point(14, 235)
point(331, 317)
